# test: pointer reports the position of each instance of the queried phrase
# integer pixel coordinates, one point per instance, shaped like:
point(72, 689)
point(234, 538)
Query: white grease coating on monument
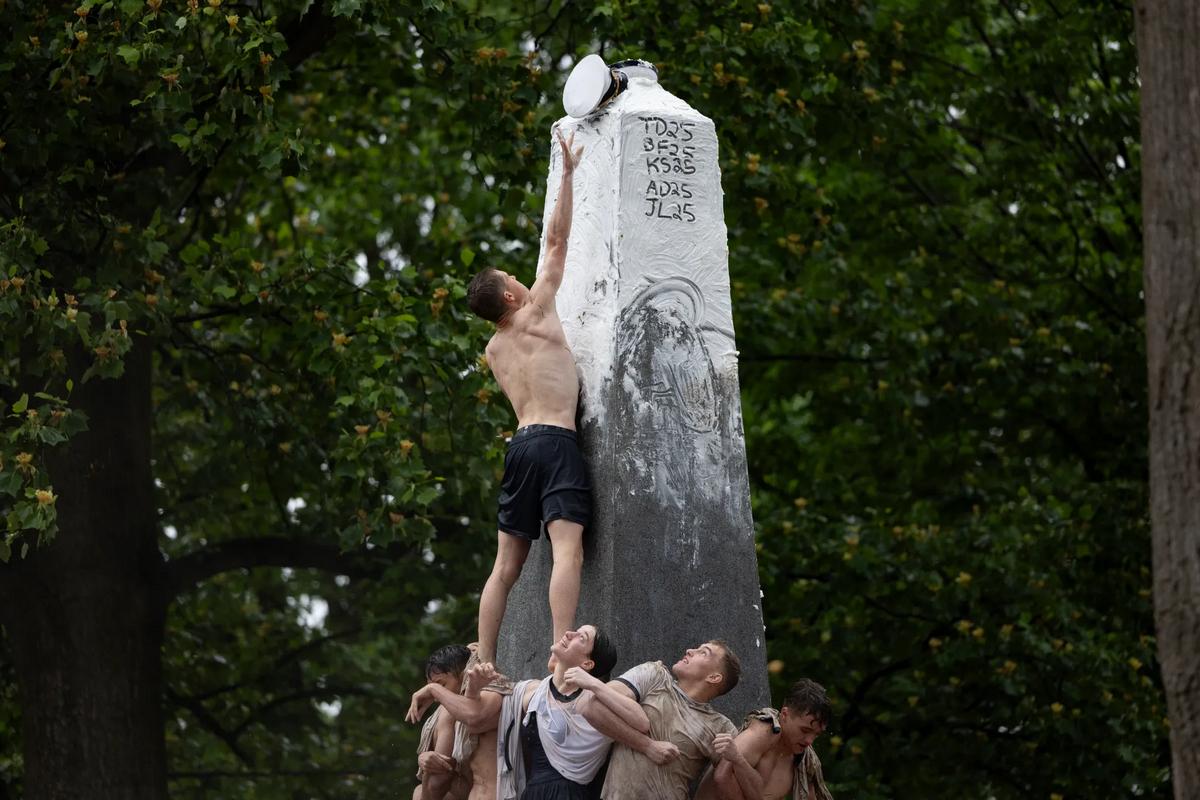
point(648, 225)
point(669, 555)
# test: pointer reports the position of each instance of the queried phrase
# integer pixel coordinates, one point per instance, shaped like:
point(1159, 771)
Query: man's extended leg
point(566, 541)
point(510, 557)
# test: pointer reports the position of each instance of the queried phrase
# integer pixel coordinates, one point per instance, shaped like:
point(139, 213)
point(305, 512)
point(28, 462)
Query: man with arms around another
point(772, 757)
point(463, 763)
point(545, 480)
point(546, 749)
point(676, 703)
point(438, 771)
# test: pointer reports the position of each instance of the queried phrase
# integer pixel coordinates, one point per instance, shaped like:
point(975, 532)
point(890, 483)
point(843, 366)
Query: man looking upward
point(545, 481)
point(676, 703)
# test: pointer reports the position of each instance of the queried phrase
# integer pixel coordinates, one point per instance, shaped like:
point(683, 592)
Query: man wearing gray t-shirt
point(676, 703)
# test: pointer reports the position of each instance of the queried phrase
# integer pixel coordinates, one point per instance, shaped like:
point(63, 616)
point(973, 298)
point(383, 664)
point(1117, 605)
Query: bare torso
point(533, 364)
point(776, 770)
point(483, 768)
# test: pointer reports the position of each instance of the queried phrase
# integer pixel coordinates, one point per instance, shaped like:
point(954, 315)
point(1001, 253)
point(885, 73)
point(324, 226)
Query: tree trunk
point(1168, 36)
point(84, 615)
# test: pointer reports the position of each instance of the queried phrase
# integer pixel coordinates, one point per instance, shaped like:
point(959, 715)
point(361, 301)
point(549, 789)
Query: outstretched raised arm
point(478, 711)
point(558, 231)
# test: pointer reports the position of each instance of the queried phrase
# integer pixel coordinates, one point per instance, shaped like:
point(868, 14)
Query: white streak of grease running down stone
point(602, 233)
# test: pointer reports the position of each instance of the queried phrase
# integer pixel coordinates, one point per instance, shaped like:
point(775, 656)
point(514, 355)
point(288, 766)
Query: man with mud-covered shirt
point(676, 702)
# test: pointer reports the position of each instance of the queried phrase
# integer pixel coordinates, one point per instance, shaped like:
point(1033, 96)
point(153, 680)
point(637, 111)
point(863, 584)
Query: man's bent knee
point(570, 557)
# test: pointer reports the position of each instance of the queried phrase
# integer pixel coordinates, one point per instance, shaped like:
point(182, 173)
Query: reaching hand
point(724, 746)
point(571, 154)
point(580, 678)
point(478, 677)
point(432, 763)
point(661, 752)
point(422, 699)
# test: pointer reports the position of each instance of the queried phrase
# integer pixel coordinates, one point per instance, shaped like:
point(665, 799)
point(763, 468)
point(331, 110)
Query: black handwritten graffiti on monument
point(660, 347)
point(670, 157)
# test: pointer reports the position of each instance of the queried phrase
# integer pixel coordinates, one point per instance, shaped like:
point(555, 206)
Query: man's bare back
point(534, 366)
point(545, 486)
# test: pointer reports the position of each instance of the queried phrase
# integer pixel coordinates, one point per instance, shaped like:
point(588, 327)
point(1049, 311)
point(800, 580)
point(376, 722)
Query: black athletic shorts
point(544, 479)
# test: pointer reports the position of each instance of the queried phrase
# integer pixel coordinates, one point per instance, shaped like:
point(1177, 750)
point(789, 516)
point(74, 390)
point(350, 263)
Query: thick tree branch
point(855, 716)
point(285, 773)
point(288, 657)
point(537, 40)
point(445, 54)
point(212, 313)
point(282, 661)
point(307, 35)
point(209, 722)
point(268, 551)
point(306, 694)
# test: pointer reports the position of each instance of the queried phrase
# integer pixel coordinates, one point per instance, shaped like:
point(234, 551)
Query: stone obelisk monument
point(669, 560)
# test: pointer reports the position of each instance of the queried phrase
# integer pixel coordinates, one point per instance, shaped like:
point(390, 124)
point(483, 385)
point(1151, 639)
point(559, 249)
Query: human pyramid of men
point(650, 734)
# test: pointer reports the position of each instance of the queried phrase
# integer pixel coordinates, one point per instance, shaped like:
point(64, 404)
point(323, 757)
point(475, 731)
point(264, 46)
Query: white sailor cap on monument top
point(592, 83)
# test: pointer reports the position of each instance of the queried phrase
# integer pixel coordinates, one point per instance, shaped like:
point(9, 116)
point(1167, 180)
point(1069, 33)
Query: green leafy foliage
point(951, 493)
point(935, 255)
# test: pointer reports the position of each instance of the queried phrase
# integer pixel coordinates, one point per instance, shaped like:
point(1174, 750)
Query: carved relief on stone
point(660, 346)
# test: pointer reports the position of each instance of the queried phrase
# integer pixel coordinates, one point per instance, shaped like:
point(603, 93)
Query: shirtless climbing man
point(545, 480)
